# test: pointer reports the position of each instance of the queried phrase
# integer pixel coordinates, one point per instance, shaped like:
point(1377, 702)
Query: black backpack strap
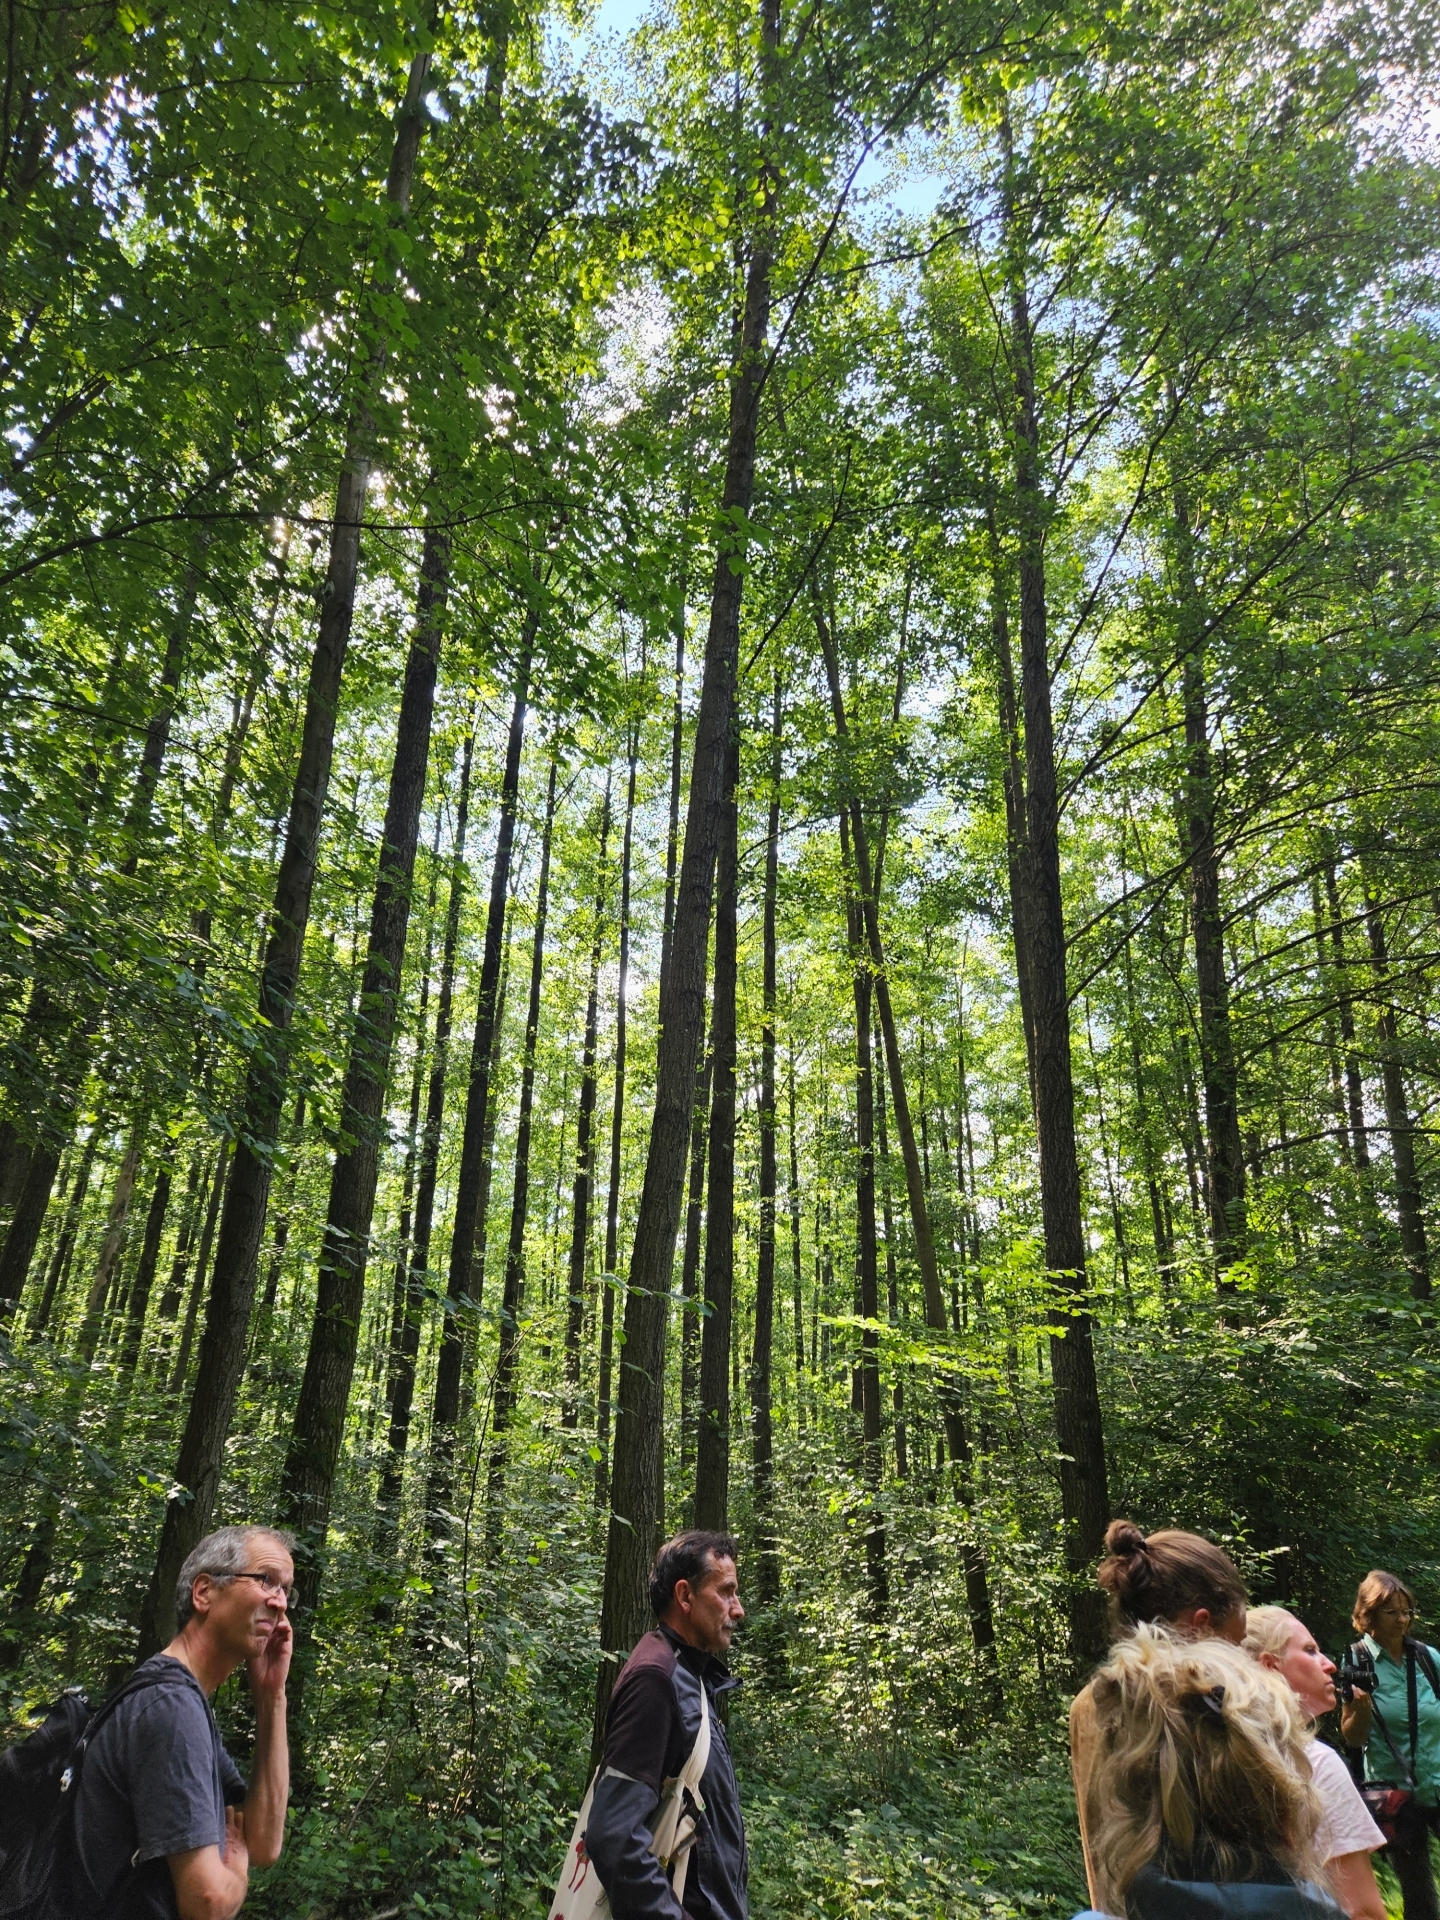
point(1427, 1661)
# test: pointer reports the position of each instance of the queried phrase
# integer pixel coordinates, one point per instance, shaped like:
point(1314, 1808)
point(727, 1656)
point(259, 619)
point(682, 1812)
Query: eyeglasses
point(271, 1585)
point(1398, 1612)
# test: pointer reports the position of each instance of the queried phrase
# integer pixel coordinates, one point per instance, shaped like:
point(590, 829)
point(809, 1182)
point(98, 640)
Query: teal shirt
point(1391, 1697)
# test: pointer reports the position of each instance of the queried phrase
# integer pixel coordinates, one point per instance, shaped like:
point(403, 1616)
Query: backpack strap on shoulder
point(1426, 1660)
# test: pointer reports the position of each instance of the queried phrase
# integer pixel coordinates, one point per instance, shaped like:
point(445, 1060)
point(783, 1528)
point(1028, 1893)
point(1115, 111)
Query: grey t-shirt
point(156, 1780)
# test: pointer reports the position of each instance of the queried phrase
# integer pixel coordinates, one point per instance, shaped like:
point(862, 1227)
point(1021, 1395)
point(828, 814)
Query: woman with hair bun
point(1171, 1579)
point(1209, 1812)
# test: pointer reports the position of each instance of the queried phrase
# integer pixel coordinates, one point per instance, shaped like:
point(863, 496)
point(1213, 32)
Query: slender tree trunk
point(892, 1272)
point(227, 1320)
point(88, 1337)
point(224, 1167)
point(405, 1294)
point(585, 1146)
point(139, 1304)
point(677, 748)
point(767, 1561)
point(1084, 1495)
point(403, 1406)
point(1409, 1201)
point(617, 1118)
point(1354, 1084)
point(197, 1193)
point(65, 1240)
point(690, 1280)
point(797, 1288)
point(867, 1261)
point(512, 1298)
point(1017, 845)
point(976, 1577)
point(1328, 992)
point(460, 1300)
point(311, 1463)
point(712, 1452)
point(624, 1610)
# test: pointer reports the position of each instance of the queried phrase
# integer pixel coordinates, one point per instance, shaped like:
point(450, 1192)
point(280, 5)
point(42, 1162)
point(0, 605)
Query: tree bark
point(624, 1608)
point(139, 1303)
point(224, 1167)
point(227, 1320)
point(762, 1449)
point(617, 1118)
point(65, 1240)
point(1079, 1429)
point(585, 1146)
point(797, 1275)
point(308, 1479)
point(460, 1299)
point(88, 1336)
point(1354, 1084)
point(867, 1252)
point(1409, 1201)
point(690, 1280)
point(512, 1298)
point(712, 1450)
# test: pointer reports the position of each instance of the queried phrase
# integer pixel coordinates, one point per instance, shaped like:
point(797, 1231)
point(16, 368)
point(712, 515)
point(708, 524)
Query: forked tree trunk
point(712, 1449)
point(308, 1479)
point(227, 1320)
point(624, 1609)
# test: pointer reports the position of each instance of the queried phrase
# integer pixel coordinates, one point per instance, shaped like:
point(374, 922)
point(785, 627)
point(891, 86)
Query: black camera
point(1355, 1674)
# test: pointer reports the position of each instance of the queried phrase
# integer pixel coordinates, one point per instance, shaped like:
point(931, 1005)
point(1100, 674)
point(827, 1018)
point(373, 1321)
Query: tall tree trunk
point(405, 1294)
point(312, 1460)
point(232, 1292)
point(224, 1167)
point(1328, 989)
point(712, 1451)
point(892, 1271)
point(1084, 1495)
point(617, 1120)
point(624, 1609)
point(64, 1251)
point(867, 1253)
point(460, 1300)
point(402, 1406)
point(677, 747)
point(976, 1576)
point(512, 1298)
point(585, 1145)
point(1017, 844)
point(690, 1281)
point(139, 1304)
point(767, 1560)
point(1409, 1200)
point(88, 1337)
point(1354, 1084)
point(797, 1288)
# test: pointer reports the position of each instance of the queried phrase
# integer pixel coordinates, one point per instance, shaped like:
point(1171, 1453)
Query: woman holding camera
point(1393, 1713)
point(1348, 1836)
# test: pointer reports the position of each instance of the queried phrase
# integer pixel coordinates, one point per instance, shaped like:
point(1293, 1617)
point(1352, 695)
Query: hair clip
point(1212, 1703)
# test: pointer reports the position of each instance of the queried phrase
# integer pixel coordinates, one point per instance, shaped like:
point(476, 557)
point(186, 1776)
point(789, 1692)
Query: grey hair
point(222, 1555)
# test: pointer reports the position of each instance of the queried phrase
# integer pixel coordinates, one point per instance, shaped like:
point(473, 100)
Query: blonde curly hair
point(1204, 1762)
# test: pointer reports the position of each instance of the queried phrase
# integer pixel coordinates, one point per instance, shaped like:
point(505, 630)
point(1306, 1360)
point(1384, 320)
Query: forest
point(719, 808)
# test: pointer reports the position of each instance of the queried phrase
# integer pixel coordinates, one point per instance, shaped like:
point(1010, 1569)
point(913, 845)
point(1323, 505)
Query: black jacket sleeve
point(618, 1841)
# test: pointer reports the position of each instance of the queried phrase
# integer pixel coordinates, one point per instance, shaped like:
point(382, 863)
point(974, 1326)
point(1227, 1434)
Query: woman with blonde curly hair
point(1206, 1807)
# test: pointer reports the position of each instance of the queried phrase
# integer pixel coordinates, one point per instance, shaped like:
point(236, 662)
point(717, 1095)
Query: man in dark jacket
point(650, 1732)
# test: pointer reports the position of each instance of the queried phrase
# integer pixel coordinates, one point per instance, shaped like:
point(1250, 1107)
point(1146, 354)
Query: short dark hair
point(686, 1557)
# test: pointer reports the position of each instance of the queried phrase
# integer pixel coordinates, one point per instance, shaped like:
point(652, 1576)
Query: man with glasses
point(164, 1823)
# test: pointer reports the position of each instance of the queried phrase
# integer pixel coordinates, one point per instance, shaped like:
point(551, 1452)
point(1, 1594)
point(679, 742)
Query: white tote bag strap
point(690, 1776)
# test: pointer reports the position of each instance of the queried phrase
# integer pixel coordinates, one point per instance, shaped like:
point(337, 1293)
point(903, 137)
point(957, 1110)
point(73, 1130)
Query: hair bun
point(1123, 1540)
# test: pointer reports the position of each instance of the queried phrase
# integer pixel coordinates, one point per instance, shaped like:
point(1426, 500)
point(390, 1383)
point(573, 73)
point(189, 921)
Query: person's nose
point(1329, 1666)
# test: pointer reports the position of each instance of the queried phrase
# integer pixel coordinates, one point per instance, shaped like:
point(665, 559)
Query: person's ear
point(201, 1588)
point(1200, 1621)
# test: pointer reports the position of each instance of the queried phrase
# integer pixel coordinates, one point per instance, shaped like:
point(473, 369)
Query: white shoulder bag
point(578, 1892)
